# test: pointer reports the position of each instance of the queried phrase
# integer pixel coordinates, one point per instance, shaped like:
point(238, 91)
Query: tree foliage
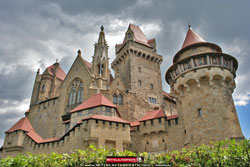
point(224, 153)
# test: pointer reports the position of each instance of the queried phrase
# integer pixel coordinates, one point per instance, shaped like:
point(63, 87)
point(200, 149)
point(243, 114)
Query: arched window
point(74, 97)
point(114, 99)
point(120, 99)
point(43, 88)
point(101, 67)
point(70, 97)
point(75, 92)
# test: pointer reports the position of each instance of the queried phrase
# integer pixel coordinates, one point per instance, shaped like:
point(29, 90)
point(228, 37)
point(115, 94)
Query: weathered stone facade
point(130, 110)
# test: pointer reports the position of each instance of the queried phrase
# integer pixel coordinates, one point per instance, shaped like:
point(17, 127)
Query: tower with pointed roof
point(138, 65)
point(202, 81)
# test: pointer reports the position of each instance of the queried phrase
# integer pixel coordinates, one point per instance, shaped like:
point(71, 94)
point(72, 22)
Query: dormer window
point(129, 35)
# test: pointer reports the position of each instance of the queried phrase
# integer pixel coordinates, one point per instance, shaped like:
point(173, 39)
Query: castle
point(130, 110)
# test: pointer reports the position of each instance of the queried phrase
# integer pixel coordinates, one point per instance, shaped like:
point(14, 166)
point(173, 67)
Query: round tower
point(202, 81)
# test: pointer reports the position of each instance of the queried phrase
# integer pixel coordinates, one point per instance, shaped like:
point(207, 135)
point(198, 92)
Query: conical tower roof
point(192, 38)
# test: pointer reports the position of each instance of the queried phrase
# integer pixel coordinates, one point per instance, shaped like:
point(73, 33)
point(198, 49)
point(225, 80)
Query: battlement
point(204, 60)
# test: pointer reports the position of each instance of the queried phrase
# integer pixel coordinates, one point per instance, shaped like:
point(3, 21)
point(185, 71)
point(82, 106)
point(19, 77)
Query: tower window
point(200, 112)
point(176, 121)
point(101, 67)
point(152, 122)
point(120, 99)
point(169, 123)
point(151, 86)
point(114, 99)
point(139, 69)
point(159, 119)
point(43, 88)
point(139, 83)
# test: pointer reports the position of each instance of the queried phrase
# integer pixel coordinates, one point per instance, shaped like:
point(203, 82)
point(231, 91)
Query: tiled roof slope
point(106, 118)
point(153, 114)
point(94, 101)
point(192, 38)
point(24, 125)
point(139, 37)
point(60, 74)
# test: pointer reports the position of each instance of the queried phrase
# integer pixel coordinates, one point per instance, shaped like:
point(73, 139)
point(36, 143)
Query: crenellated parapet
point(197, 62)
point(153, 57)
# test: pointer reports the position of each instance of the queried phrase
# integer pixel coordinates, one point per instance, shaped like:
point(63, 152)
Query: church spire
point(101, 39)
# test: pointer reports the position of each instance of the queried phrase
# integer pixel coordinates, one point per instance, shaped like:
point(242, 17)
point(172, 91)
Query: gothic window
point(43, 88)
point(101, 67)
point(120, 99)
point(79, 95)
point(114, 99)
point(75, 92)
point(70, 97)
point(74, 97)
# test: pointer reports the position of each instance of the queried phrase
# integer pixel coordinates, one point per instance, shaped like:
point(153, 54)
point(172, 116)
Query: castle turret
point(100, 63)
point(202, 81)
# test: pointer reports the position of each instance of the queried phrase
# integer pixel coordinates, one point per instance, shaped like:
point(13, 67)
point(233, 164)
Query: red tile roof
point(24, 125)
point(192, 38)
point(94, 101)
point(60, 74)
point(136, 123)
point(153, 114)
point(139, 37)
point(89, 65)
point(106, 118)
point(172, 117)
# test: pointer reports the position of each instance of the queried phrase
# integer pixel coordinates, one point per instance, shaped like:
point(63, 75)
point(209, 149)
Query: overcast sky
point(33, 34)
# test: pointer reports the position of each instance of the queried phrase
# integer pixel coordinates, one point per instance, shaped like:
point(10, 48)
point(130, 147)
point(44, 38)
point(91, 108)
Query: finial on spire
point(102, 28)
point(189, 26)
point(79, 52)
point(56, 60)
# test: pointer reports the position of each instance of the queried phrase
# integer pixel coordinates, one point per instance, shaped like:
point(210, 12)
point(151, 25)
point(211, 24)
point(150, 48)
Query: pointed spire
point(79, 52)
point(191, 38)
point(101, 39)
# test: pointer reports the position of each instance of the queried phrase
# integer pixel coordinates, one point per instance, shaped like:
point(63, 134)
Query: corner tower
point(202, 81)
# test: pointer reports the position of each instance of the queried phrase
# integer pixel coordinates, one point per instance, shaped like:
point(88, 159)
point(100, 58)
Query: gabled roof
point(94, 101)
point(139, 37)
point(192, 38)
point(153, 114)
point(22, 124)
point(106, 118)
point(60, 74)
